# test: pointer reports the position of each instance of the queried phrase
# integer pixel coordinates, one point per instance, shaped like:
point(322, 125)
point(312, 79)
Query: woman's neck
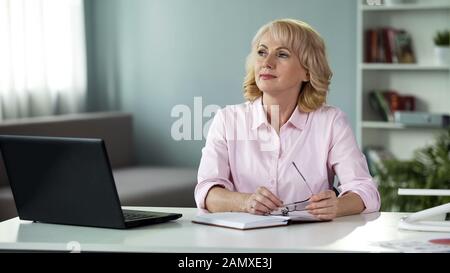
point(283, 107)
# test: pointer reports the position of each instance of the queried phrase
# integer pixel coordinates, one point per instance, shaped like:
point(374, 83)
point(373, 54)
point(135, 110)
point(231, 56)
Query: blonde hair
point(310, 49)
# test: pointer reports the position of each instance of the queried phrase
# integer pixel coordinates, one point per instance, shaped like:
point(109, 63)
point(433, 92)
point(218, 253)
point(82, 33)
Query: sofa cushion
point(156, 186)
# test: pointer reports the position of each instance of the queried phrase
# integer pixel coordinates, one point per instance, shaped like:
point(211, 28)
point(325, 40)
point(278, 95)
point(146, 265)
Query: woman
point(284, 144)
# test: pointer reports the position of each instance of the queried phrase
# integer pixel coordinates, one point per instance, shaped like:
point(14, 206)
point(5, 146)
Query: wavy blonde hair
point(309, 47)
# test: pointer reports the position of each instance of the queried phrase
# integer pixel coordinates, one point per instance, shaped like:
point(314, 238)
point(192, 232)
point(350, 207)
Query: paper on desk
point(418, 245)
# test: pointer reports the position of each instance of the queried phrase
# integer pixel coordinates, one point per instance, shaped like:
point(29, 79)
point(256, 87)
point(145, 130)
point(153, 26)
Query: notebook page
point(239, 220)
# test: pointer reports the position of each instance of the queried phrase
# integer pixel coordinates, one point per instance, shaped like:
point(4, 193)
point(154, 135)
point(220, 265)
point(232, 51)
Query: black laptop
point(68, 181)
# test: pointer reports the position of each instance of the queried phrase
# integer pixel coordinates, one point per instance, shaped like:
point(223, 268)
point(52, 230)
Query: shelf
point(392, 125)
point(382, 125)
point(405, 7)
point(426, 80)
point(390, 66)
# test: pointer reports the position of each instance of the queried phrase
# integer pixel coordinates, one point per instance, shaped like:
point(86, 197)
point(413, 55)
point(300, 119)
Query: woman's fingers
point(323, 205)
point(266, 202)
point(269, 195)
point(261, 208)
point(323, 195)
point(257, 207)
point(262, 201)
point(329, 210)
point(328, 213)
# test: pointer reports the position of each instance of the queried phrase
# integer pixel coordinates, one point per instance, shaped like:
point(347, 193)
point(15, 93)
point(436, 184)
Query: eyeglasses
point(299, 205)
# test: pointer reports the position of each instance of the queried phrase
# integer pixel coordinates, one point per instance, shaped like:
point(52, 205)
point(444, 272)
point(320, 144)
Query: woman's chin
point(270, 91)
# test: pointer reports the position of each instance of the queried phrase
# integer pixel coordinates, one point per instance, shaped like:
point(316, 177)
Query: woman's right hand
point(262, 202)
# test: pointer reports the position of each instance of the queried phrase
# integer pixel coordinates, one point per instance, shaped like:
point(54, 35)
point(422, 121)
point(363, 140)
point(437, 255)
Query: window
point(43, 57)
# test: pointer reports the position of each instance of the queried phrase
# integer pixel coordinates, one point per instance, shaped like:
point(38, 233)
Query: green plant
point(428, 169)
point(442, 38)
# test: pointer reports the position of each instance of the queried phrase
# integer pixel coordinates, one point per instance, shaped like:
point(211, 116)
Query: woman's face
point(278, 70)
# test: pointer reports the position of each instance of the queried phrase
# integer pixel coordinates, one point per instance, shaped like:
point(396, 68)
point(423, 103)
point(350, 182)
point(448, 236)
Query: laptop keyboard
point(131, 215)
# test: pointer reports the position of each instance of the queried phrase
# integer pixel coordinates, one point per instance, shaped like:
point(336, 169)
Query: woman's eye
point(261, 52)
point(283, 55)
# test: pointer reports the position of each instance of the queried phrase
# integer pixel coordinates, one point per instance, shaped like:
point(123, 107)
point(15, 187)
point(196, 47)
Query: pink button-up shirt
point(243, 152)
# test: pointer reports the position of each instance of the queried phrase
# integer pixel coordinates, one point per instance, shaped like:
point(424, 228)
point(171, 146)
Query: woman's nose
point(268, 62)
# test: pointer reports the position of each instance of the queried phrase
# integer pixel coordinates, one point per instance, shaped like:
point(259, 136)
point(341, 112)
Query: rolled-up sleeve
point(214, 166)
point(350, 165)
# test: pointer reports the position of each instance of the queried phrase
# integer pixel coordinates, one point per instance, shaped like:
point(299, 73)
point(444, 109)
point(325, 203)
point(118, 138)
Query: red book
point(408, 103)
point(374, 46)
point(387, 45)
point(393, 100)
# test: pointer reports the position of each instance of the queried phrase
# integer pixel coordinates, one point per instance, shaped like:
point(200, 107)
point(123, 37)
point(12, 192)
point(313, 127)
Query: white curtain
point(42, 57)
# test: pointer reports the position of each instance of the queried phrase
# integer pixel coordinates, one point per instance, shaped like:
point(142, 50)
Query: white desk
point(352, 233)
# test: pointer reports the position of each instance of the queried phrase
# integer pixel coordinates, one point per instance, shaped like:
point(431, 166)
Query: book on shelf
point(379, 103)
point(404, 47)
point(397, 102)
point(388, 45)
point(387, 102)
point(243, 221)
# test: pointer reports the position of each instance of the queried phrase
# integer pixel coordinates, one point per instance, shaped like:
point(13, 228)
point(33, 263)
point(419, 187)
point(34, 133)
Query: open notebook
point(242, 220)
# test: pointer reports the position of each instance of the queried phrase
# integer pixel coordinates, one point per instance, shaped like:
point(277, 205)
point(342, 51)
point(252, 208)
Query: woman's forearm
point(220, 199)
point(350, 203)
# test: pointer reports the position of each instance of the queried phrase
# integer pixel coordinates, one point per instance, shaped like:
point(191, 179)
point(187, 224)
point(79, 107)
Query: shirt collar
point(297, 119)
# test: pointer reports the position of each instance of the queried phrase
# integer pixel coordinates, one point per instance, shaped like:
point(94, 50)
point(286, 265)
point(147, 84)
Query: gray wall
point(146, 56)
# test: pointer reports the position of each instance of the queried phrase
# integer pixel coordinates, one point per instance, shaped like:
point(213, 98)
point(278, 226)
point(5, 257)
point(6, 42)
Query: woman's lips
point(266, 76)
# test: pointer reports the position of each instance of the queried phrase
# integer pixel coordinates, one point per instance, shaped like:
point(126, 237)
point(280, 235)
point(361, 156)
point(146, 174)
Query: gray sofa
point(136, 185)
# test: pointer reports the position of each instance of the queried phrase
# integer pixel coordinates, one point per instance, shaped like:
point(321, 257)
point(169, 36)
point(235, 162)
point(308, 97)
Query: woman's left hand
point(324, 205)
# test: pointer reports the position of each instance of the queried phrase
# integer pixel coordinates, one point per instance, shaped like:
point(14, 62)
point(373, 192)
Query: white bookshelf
point(427, 81)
